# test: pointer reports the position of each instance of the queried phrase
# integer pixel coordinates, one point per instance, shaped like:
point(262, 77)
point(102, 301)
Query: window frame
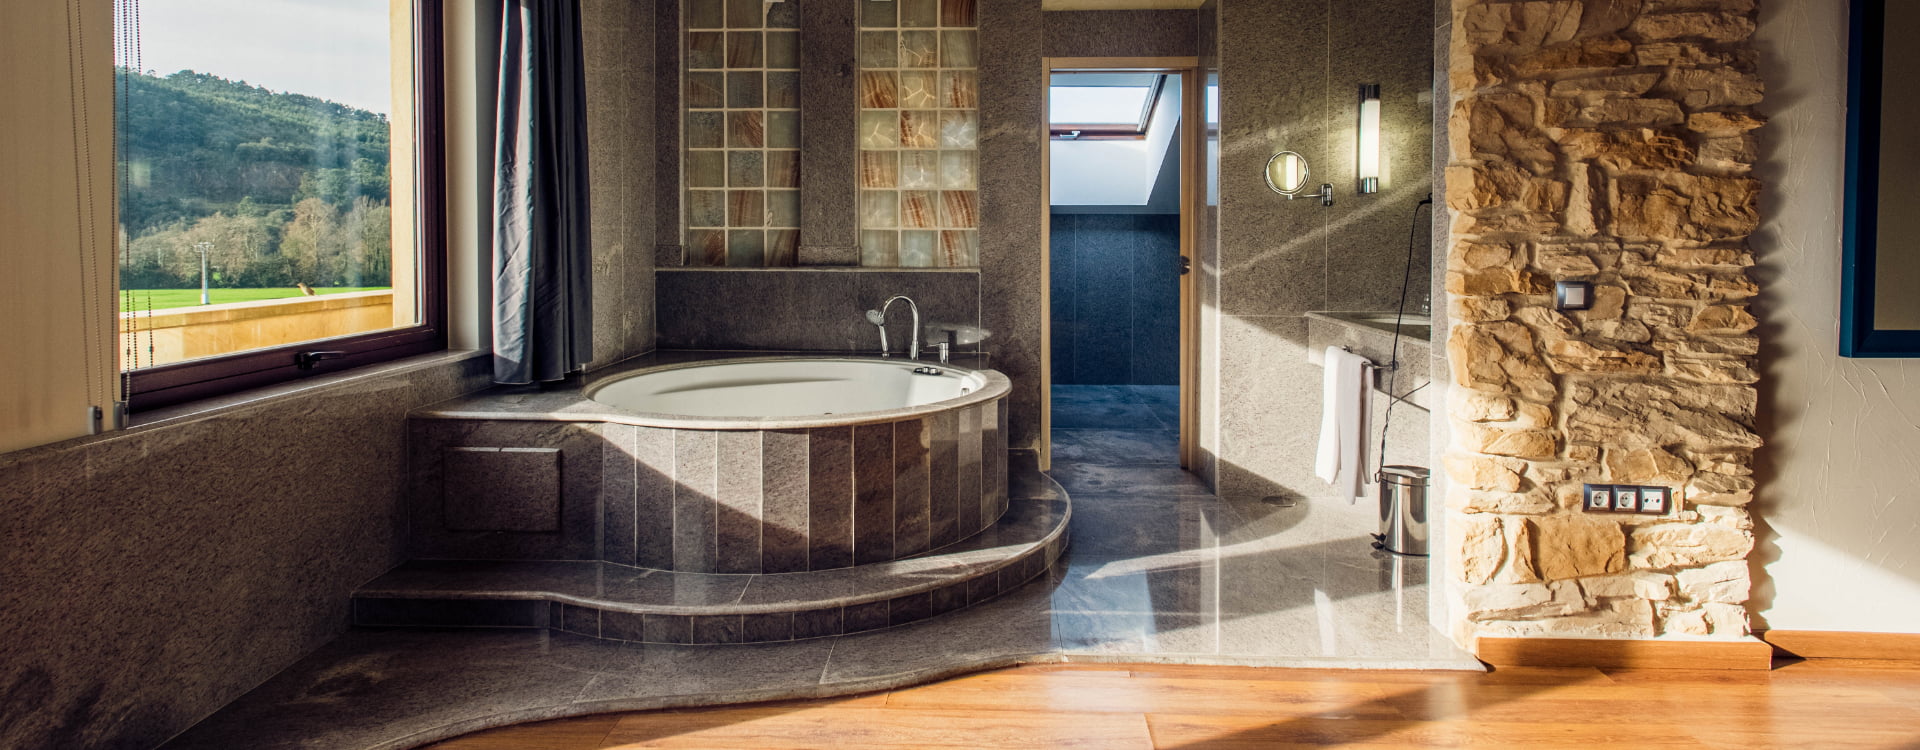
point(1064, 131)
point(170, 384)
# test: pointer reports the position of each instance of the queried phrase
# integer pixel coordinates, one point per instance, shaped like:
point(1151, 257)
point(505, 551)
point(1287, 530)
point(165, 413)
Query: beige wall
point(56, 215)
point(1840, 490)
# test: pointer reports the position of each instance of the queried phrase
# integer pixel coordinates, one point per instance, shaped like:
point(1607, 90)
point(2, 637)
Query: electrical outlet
point(1599, 498)
point(1655, 500)
point(1626, 499)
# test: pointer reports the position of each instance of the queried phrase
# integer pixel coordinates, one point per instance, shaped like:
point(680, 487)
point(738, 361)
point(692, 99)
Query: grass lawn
point(162, 299)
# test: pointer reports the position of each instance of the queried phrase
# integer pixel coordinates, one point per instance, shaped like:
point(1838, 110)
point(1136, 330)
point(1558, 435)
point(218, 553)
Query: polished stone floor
point(1157, 570)
point(1157, 565)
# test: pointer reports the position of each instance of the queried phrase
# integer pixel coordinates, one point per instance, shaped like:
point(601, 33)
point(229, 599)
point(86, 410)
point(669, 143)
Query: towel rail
point(1368, 365)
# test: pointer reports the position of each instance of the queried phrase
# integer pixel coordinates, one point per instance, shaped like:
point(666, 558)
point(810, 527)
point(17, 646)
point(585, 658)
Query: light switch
point(1572, 295)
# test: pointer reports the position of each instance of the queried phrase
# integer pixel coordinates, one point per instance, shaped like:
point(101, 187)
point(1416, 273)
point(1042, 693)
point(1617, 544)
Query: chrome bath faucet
point(879, 319)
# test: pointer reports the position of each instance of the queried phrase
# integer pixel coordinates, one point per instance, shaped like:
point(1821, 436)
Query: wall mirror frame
point(1879, 309)
point(1287, 173)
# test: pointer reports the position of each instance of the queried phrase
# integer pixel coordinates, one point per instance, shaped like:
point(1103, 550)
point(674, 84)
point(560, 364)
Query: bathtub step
point(619, 602)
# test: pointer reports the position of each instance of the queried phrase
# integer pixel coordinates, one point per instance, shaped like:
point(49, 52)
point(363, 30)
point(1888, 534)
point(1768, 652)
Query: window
point(280, 190)
point(742, 90)
point(1102, 105)
point(919, 134)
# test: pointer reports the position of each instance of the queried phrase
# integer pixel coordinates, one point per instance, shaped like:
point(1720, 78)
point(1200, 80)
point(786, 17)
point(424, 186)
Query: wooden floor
point(1812, 704)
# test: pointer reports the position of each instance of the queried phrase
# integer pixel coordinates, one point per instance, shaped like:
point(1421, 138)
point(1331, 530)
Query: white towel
point(1343, 417)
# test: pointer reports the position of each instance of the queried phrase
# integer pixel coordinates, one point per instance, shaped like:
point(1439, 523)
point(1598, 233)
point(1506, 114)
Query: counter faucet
point(879, 319)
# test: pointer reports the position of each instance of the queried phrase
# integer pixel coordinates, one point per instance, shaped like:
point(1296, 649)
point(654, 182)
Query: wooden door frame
point(1191, 98)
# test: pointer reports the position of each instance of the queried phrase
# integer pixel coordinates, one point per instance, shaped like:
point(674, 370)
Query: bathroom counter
point(1370, 335)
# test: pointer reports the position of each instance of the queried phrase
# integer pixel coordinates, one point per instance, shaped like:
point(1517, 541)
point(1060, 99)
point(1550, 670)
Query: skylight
point(1103, 102)
point(1103, 105)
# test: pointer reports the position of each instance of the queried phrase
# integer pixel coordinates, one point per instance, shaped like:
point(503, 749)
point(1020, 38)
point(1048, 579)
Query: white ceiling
point(1119, 4)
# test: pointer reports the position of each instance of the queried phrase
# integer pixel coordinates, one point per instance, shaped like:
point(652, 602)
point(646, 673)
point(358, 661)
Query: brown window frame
point(1113, 131)
point(180, 382)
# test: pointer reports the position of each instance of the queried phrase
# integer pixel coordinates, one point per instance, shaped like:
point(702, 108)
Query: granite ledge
point(1029, 528)
point(224, 406)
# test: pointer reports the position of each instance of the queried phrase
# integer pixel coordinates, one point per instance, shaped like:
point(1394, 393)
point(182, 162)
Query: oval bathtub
point(792, 391)
point(789, 464)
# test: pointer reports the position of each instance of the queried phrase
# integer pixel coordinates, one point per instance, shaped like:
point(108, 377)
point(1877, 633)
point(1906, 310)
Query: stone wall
point(1607, 141)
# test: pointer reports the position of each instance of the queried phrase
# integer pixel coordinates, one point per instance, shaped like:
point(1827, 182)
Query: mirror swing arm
point(1287, 174)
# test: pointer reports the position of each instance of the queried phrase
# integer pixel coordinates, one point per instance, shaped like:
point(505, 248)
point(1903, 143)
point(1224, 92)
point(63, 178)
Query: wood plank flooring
point(1827, 703)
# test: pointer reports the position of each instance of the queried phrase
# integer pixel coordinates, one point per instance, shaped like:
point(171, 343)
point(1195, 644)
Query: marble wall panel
point(1368, 236)
point(911, 511)
point(829, 231)
point(739, 509)
point(808, 310)
point(442, 517)
point(943, 479)
point(236, 532)
point(653, 498)
point(669, 245)
point(695, 500)
point(1010, 36)
point(1278, 259)
point(970, 467)
point(784, 501)
point(873, 487)
point(1121, 33)
point(619, 470)
point(830, 499)
point(622, 125)
point(501, 489)
point(1115, 299)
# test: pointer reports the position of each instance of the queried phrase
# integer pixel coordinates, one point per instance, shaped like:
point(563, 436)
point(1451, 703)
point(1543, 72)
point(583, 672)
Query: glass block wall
point(742, 98)
point(919, 134)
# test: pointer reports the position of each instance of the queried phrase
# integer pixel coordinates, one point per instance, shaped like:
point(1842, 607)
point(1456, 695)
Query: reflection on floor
point(1822, 703)
point(1158, 571)
point(1159, 566)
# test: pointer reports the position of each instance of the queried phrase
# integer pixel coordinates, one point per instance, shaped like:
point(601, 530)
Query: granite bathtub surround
point(617, 602)
point(1608, 142)
point(1289, 74)
point(155, 574)
point(553, 475)
point(705, 501)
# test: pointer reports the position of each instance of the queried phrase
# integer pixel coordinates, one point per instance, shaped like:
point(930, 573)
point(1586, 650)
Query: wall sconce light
point(1369, 138)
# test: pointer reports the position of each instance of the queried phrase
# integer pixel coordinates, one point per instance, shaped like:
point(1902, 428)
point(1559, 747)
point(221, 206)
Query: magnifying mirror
point(1287, 173)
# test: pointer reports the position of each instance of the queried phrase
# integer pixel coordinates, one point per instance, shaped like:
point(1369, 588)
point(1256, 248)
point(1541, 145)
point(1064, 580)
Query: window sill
point(215, 406)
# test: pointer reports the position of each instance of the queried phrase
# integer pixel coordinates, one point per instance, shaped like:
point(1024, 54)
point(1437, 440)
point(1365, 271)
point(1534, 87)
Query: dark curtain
point(542, 254)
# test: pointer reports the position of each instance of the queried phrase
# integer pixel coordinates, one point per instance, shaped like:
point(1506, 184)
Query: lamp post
point(204, 248)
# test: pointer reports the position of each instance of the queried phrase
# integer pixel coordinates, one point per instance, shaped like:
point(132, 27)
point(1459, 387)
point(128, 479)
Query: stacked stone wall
point(1607, 141)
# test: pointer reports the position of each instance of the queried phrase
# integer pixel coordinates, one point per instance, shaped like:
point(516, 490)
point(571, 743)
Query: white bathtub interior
point(787, 388)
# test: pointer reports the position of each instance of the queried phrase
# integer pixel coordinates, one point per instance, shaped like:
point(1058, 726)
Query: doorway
point(1121, 192)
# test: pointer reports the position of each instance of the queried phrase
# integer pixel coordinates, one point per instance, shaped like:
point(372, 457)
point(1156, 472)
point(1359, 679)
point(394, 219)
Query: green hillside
point(287, 188)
